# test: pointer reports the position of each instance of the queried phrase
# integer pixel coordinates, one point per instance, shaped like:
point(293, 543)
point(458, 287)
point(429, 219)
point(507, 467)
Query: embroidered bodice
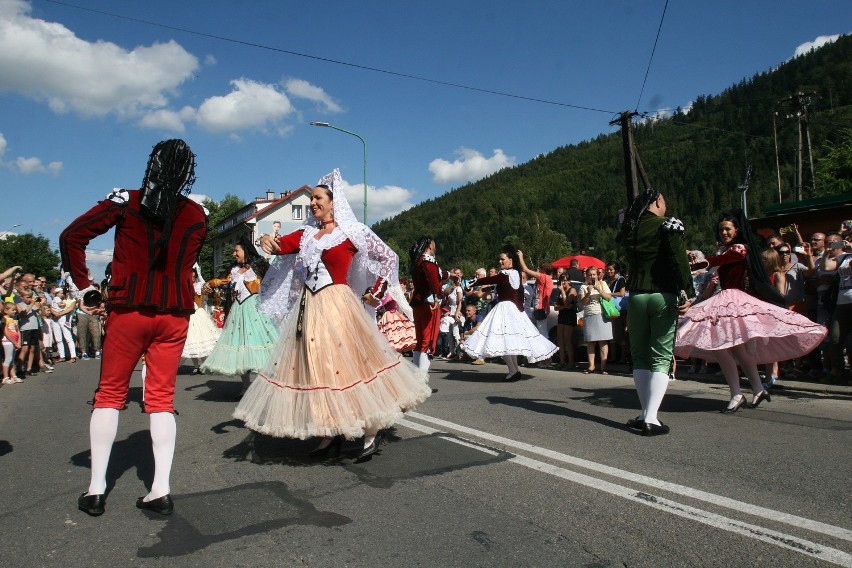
point(239, 281)
point(732, 267)
point(507, 286)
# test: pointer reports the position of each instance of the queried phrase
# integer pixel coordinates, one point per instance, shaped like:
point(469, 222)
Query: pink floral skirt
point(733, 317)
point(399, 331)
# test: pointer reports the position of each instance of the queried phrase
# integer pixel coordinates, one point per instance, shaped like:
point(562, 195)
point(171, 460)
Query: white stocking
point(512, 363)
point(102, 429)
point(642, 382)
point(163, 434)
point(424, 362)
point(657, 386)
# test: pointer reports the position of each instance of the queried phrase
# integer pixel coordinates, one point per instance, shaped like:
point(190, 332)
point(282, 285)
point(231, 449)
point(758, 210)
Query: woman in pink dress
point(735, 327)
point(396, 323)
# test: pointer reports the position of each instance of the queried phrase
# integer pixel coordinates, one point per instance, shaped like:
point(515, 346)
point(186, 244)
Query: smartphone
point(838, 245)
point(799, 250)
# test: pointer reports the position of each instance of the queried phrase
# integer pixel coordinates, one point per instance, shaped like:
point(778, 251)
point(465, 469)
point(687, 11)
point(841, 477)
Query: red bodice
point(732, 267)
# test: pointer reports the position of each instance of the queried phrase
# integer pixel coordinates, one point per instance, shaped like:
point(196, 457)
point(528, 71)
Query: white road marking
point(790, 542)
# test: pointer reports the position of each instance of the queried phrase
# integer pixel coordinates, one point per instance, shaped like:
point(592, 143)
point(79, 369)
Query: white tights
point(651, 388)
point(102, 431)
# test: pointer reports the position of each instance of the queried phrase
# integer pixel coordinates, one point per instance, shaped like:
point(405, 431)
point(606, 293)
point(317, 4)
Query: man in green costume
point(660, 286)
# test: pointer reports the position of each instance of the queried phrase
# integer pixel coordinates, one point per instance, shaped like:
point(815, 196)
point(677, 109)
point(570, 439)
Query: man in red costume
point(158, 237)
point(426, 276)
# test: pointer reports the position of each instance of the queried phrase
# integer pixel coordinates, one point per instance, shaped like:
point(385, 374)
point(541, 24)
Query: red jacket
point(427, 279)
point(137, 281)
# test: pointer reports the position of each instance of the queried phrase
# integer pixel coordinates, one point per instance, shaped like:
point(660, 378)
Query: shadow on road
point(553, 407)
point(673, 402)
point(5, 448)
point(133, 452)
point(218, 391)
point(212, 517)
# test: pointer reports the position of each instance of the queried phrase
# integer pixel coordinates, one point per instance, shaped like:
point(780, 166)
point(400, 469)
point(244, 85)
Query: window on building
point(297, 212)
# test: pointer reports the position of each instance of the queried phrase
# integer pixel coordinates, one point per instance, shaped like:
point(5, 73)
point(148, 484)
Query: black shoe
point(636, 423)
point(369, 450)
point(759, 398)
point(332, 449)
point(162, 505)
point(736, 407)
point(92, 504)
point(649, 429)
point(512, 378)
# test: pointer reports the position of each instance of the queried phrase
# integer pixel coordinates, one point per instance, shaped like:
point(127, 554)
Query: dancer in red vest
point(158, 236)
point(426, 276)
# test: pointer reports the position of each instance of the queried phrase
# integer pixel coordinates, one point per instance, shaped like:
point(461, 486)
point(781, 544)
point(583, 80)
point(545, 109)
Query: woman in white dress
point(507, 331)
point(203, 334)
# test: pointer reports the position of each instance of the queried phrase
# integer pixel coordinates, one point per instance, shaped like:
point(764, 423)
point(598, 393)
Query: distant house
point(256, 219)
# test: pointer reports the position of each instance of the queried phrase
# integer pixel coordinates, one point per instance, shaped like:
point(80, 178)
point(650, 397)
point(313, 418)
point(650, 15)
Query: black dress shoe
point(649, 429)
point(92, 504)
point(736, 407)
point(162, 505)
point(636, 423)
point(760, 398)
point(369, 450)
point(512, 378)
point(332, 449)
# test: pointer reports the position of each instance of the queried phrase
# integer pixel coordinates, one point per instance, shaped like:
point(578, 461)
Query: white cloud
point(210, 60)
point(199, 198)
point(667, 112)
point(47, 62)
point(471, 166)
point(170, 120)
point(29, 166)
point(815, 44)
point(301, 89)
point(250, 105)
point(382, 202)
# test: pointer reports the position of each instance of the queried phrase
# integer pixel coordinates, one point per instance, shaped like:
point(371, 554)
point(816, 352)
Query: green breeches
point(651, 322)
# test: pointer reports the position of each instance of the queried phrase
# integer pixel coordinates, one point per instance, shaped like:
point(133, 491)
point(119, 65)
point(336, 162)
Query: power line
point(334, 61)
point(648, 70)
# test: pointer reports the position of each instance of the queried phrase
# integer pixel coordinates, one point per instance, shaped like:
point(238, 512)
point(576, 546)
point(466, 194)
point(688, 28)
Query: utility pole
point(744, 189)
point(633, 169)
point(799, 103)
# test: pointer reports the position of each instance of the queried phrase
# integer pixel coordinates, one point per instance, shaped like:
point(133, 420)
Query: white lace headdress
point(286, 276)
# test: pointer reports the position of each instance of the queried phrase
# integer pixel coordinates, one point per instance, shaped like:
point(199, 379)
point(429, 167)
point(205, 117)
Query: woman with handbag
point(596, 329)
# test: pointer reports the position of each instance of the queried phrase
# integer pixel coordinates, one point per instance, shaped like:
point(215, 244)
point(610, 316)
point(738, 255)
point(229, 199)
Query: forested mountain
point(567, 201)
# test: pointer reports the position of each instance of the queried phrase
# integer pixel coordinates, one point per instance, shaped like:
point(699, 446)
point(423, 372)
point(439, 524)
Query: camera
point(799, 250)
point(838, 245)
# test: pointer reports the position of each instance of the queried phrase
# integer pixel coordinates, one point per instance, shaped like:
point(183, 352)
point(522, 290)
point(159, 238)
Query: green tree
point(218, 211)
point(834, 169)
point(32, 253)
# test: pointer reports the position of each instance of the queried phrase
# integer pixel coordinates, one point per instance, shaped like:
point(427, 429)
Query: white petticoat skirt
point(508, 331)
point(340, 377)
point(201, 336)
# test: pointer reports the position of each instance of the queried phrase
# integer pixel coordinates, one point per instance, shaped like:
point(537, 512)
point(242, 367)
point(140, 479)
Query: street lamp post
point(364, 142)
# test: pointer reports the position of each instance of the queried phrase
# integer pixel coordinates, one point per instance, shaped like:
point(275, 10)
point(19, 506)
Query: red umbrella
point(584, 260)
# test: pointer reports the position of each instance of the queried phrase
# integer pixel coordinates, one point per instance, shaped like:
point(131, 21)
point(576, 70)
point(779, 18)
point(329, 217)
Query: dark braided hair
point(758, 278)
point(635, 210)
point(252, 258)
point(417, 250)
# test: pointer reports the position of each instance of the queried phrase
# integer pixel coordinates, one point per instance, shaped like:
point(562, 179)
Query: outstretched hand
point(269, 245)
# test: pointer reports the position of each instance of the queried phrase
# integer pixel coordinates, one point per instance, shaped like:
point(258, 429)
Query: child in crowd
point(469, 325)
point(11, 343)
point(447, 324)
point(45, 321)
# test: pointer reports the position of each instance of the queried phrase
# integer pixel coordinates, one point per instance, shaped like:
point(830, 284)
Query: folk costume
point(203, 334)
point(426, 279)
point(507, 331)
point(332, 373)
point(738, 326)
point(660, 280)
point(736, 317)
point(395, 323)
point(248, 338)
point(158, 237)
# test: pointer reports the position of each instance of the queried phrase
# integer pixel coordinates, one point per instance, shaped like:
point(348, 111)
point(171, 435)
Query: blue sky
point(85, 95)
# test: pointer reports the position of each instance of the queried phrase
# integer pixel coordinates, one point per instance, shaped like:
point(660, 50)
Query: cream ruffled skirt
point(340, 377)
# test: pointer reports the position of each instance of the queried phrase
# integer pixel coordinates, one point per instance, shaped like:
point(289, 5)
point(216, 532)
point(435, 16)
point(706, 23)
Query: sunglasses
point(783, 251)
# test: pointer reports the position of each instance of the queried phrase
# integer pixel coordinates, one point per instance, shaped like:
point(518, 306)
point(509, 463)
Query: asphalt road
point(541, 472)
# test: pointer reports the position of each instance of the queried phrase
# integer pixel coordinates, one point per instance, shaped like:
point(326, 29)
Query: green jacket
point(656, 252)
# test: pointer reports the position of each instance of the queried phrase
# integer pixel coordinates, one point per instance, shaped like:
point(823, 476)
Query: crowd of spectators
point(814, 275)
point(45, 323)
